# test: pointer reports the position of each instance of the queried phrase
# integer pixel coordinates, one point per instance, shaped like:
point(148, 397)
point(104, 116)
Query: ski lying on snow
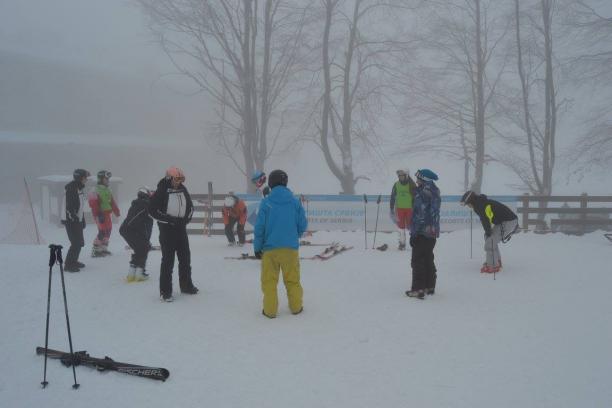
point(303, 243)
point(329, 252)
point(106, 363)
point(153, 248)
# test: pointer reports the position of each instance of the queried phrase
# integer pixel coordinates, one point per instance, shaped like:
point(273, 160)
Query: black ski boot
point(419, 294)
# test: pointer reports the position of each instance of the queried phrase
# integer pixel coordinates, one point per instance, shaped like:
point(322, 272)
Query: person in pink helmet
point(172, 207)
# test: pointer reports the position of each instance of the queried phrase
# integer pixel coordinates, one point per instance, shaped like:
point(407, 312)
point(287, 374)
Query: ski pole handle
point(55, 254)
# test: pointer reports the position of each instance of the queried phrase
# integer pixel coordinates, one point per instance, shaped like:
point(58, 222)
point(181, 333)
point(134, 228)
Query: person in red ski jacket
point(234, 212)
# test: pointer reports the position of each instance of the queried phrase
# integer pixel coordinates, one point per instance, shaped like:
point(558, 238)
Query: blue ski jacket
point(281, 221)
point(426, 211)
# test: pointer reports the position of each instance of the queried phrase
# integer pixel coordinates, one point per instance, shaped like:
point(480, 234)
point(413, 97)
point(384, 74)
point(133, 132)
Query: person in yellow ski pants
point(280, 223)
point(271, 264)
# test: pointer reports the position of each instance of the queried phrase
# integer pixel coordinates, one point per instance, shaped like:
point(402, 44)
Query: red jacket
point(238, 211)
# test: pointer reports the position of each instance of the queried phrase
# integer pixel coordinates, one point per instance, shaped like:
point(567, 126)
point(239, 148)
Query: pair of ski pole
point(365, 220)
point(55, 256)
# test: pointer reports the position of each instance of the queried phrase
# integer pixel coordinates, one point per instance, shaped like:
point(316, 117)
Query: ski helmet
point(229, 201)
point(278, 178)
point(426, 175)
point(104, 174)
point(145, 192)
point(468, 198)
point(401, 173)
point(78, 174)
point(175, 173)
point(257, 174)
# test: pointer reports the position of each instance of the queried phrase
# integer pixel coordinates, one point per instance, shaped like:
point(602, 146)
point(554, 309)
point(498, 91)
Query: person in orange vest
point(401, 204)
point(102, 206)
point(234, 212)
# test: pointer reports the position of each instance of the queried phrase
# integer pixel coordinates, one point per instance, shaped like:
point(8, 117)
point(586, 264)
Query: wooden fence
point(575, 216)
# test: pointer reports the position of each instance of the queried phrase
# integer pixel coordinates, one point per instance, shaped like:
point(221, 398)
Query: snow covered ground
point(539, 335)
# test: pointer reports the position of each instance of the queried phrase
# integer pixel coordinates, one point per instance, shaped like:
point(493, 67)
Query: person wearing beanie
point(424, 231)
point(499, 223)
point(172, 207)
point(136, 229)
point(400, 204)
point(73, 218)
point(281, 221)
point(102, 206)
point(234, 212)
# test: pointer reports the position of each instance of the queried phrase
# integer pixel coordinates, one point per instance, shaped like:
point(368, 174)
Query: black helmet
point(277, 178)
point(468, 197)
point(104, 174)
point(78, 174)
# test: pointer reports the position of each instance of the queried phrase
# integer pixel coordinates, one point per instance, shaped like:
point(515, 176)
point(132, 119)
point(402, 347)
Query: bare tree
point(592, 66)
point(450, 92)
point(243, 54)
point(355, 77)
point(534, 108)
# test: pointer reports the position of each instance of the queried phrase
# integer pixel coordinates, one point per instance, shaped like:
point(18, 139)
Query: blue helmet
point(257, 174)
point(426, 175)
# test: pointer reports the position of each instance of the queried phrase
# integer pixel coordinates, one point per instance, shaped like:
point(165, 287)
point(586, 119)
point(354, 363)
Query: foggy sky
point(109, 38)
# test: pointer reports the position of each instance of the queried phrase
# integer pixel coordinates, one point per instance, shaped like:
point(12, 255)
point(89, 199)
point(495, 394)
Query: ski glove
point(412, 241)
point(258, 254)
point(101, 218)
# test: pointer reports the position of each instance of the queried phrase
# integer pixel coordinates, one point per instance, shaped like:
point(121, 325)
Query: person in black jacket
point(73, 219)
point(136, 230)
point(172, 207)
point(499, 223)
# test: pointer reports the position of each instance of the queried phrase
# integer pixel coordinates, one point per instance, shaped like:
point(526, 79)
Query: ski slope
point(538, 335)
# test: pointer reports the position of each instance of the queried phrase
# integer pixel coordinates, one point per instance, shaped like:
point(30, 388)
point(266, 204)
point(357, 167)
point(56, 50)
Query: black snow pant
point(229, 231)
point(423, 267)
point(75, 235)
point(173, 240)
point(140, 246)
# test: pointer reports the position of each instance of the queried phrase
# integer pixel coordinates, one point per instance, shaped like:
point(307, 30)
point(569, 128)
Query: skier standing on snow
point(102, 206)
point(73, 219)
point(136, 230)
point(172, 207)
point(280, 223)
point(401, 204)
point(234, 212)
point(424, 231)
point(499, 223)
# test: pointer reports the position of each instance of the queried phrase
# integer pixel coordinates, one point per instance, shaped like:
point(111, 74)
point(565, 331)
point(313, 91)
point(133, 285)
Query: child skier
point(102, 206)
point(424, 231)
point(259, 179)
point(136, 230)
point(499, 223)
point(401, 204)
point(234, 212)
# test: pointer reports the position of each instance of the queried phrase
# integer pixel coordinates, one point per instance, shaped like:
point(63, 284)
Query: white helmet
point(229, 201)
